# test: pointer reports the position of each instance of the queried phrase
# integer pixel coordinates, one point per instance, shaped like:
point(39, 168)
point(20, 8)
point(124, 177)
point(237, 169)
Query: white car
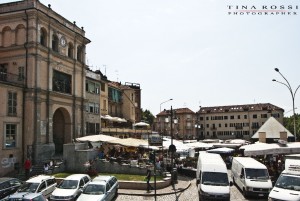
point(44, 184)
point(102, 188)
point(24, 196)
point(71, 187)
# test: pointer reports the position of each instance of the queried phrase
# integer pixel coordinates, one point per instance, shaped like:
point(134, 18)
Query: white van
point(251, 176)
point(287, 186)
point(212, 178)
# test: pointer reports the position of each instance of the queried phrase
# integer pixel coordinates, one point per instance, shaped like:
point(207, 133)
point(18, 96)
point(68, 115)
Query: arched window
point(79, 53)
point(6, 37)
point(43, 37)
point(70, 50)
point(20, 34)
point(54, 43)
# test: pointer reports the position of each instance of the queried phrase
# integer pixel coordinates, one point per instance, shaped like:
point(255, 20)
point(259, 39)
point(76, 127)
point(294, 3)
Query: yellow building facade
point(42, 82)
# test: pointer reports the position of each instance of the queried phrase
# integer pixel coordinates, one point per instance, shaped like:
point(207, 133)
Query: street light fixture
point(163, 103)
point(287, 84)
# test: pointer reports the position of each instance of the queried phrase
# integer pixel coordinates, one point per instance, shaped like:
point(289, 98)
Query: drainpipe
point(24, 149)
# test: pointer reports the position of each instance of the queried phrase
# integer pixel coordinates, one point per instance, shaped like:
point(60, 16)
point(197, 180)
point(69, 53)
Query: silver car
point(100, 189)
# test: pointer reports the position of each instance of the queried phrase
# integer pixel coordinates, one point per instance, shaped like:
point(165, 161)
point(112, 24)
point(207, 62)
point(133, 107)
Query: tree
point(288, 123)
point(147, 116)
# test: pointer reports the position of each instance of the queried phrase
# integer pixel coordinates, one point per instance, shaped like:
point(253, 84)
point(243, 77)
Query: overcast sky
point(192, 51)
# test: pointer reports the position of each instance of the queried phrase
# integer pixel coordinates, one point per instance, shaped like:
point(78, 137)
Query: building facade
point(219, 122)
point(42, 80)
point(95, 97)
point(235, 121)
point(183, 123)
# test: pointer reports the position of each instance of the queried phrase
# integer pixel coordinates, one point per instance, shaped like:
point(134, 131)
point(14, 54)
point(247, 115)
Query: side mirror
point(230, 183)
point(198, 182)
point(241, 176)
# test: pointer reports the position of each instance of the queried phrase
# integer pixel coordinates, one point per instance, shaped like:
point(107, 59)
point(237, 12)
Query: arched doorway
point(61, 129)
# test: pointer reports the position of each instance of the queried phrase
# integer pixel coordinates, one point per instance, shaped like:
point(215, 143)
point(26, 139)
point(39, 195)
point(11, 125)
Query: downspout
point(35, 100)
point(48, 88)
point(24, 91)
point(83, 97)
point(74, 95)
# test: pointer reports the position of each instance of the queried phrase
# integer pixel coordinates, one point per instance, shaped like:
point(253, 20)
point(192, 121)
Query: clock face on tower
point(63, 41)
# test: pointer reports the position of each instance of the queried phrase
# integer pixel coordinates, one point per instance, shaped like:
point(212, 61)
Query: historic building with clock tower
point(42, 82)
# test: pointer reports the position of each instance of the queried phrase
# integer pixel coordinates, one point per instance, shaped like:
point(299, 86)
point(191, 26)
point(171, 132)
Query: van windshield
point(257, 174)
point(288, 182)
point(215, 179)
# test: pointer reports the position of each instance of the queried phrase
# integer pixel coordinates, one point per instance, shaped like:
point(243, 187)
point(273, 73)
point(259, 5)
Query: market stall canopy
point(141, 124)
point(228, 145)
point(199, 145)
point(96, 138)
point(273, 148)
point(222, 150)
point(114, 119)
point(129, 142)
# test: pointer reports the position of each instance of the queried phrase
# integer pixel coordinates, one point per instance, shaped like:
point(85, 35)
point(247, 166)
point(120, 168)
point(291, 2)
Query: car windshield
point(94, 189)
point(288, 182)
point(28, 187)
point(257, 174)
point(215, 179)
point(68, 184)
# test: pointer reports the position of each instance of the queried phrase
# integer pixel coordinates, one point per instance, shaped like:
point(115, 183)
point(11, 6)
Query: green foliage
point(147, 116)
point(288, 123)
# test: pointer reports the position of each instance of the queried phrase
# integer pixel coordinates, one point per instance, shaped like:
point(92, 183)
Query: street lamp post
point(172, 147)
point(162, 135)
point(287, 84)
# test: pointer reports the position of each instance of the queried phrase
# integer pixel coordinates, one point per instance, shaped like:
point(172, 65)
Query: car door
point(51, 184)
point(113, 187)
point(43, 189)
point(108, 192)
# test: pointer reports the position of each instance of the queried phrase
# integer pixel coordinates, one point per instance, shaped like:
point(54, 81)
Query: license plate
point(260, 194)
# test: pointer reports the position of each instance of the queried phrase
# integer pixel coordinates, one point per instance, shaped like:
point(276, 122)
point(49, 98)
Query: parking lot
point(191, 194)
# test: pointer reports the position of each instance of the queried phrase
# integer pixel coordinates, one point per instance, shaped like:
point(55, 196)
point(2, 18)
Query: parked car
point(25, 196)
point(9, 186)
point(111, 186)
point(44, 184)
point(71, 187)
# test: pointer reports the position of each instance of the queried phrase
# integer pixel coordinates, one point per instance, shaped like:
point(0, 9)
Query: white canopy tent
point(141, 124)
point(273, 148)
point(96, 138)
point(129, 142)
point(221, 150)
point(114, 119)
point(199, 145)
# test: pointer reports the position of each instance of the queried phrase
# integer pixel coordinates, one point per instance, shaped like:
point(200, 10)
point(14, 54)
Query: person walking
point(148, 177)
point(27, 167)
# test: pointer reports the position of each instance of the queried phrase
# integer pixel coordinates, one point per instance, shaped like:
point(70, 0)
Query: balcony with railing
point(10, 78)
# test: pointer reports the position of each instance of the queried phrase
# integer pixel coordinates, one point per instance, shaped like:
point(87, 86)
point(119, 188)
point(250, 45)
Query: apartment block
point(235, 121)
